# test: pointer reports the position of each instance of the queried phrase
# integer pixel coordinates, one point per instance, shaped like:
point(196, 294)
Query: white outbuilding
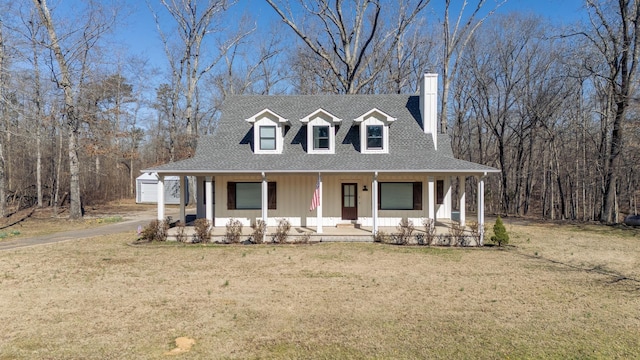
point(147, 189)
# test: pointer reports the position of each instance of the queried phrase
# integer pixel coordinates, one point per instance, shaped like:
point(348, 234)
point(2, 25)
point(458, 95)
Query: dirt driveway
point(131, 222)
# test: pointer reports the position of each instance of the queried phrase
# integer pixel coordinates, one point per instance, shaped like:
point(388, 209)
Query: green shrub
point(259, 230)
point(234, 231)
point(282, 231)
point(500, 235)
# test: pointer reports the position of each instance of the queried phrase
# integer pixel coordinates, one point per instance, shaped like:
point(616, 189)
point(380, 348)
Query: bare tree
point(3, 198)
point(195, 23)
point(92, 30)
point(615, 34)
point(349, 37)
point(456, 38)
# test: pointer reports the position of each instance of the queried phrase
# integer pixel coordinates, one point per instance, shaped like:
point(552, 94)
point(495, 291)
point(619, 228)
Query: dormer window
point(321, 137)
point(374, 131)
point(374, 137)
point(321, 132)
point(268, 132)
point(267, 137)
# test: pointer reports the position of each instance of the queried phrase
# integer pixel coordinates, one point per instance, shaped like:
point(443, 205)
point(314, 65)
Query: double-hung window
point(321, 127)
point(321, 137)
point(268, 132)
point(267, 137)
point(374, 137)
point(374, 131)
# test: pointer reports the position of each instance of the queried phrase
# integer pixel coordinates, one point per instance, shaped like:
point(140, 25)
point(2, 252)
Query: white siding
point(294, 193)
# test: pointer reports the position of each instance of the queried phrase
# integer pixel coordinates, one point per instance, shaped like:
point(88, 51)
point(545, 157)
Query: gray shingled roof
point(230, 148)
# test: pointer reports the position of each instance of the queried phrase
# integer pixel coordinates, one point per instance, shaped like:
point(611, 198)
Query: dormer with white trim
point(321, 132)
point(374, 131)
point(268, 132)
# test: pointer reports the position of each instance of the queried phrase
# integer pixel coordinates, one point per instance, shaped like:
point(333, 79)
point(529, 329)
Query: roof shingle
point(230, 148)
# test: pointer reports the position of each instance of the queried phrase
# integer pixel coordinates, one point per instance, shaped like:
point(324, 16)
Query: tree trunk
point(38, 118)
point(3, 196)
point(2, 115)
point(56, 196)
point(73, 121)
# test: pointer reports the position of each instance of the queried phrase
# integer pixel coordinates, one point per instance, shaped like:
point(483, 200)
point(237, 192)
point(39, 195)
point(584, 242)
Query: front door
point(349, 202)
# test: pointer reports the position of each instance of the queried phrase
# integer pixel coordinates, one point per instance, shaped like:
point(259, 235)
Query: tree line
point(553, 105)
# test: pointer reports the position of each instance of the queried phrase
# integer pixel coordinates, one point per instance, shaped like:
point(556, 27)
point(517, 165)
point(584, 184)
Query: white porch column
point(160, 197)
point(481, 209)
point(462, 199)
point(319, 208)
point(183, 194)
point(208, 195)
point(432, 198)
point(265, 198)
point(374, 202)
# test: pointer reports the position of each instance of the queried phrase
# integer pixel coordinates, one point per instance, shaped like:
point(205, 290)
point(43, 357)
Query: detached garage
point(147, 189)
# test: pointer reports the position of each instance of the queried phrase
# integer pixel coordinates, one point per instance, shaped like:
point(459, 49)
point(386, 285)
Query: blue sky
point(140, 37)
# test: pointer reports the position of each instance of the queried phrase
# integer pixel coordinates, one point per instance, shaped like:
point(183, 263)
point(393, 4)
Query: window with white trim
point(374, 137)
point(321, 132)
point(374, 131)
point(321, 138)
point(267, 137)
point(268, 132)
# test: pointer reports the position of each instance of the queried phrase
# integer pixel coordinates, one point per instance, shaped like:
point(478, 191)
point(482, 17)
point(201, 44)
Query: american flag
point(315, 201)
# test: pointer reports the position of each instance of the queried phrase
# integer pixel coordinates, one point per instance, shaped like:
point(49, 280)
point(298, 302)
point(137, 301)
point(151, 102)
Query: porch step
point(348, 226)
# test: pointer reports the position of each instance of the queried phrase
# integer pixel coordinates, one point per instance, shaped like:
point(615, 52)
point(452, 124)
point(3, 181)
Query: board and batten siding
point(294, 193)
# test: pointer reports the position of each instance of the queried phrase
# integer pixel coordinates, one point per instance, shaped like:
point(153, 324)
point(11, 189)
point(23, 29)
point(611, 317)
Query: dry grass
point(38, 222)
point(100, 298)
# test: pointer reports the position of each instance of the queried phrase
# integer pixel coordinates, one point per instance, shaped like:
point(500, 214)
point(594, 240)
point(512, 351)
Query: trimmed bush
point(203, 231)
point(429, 230)
point(282, 231)
point(456, 233)
point(181, 236)
point(155, 231)
point(234, 231)
point(259, 230)
point(304, 238)
point(381, 237)
point(500, 235)
point(405, 229)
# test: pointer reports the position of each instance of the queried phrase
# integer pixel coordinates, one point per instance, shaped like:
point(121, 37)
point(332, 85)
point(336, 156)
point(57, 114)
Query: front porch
point(377, 202)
